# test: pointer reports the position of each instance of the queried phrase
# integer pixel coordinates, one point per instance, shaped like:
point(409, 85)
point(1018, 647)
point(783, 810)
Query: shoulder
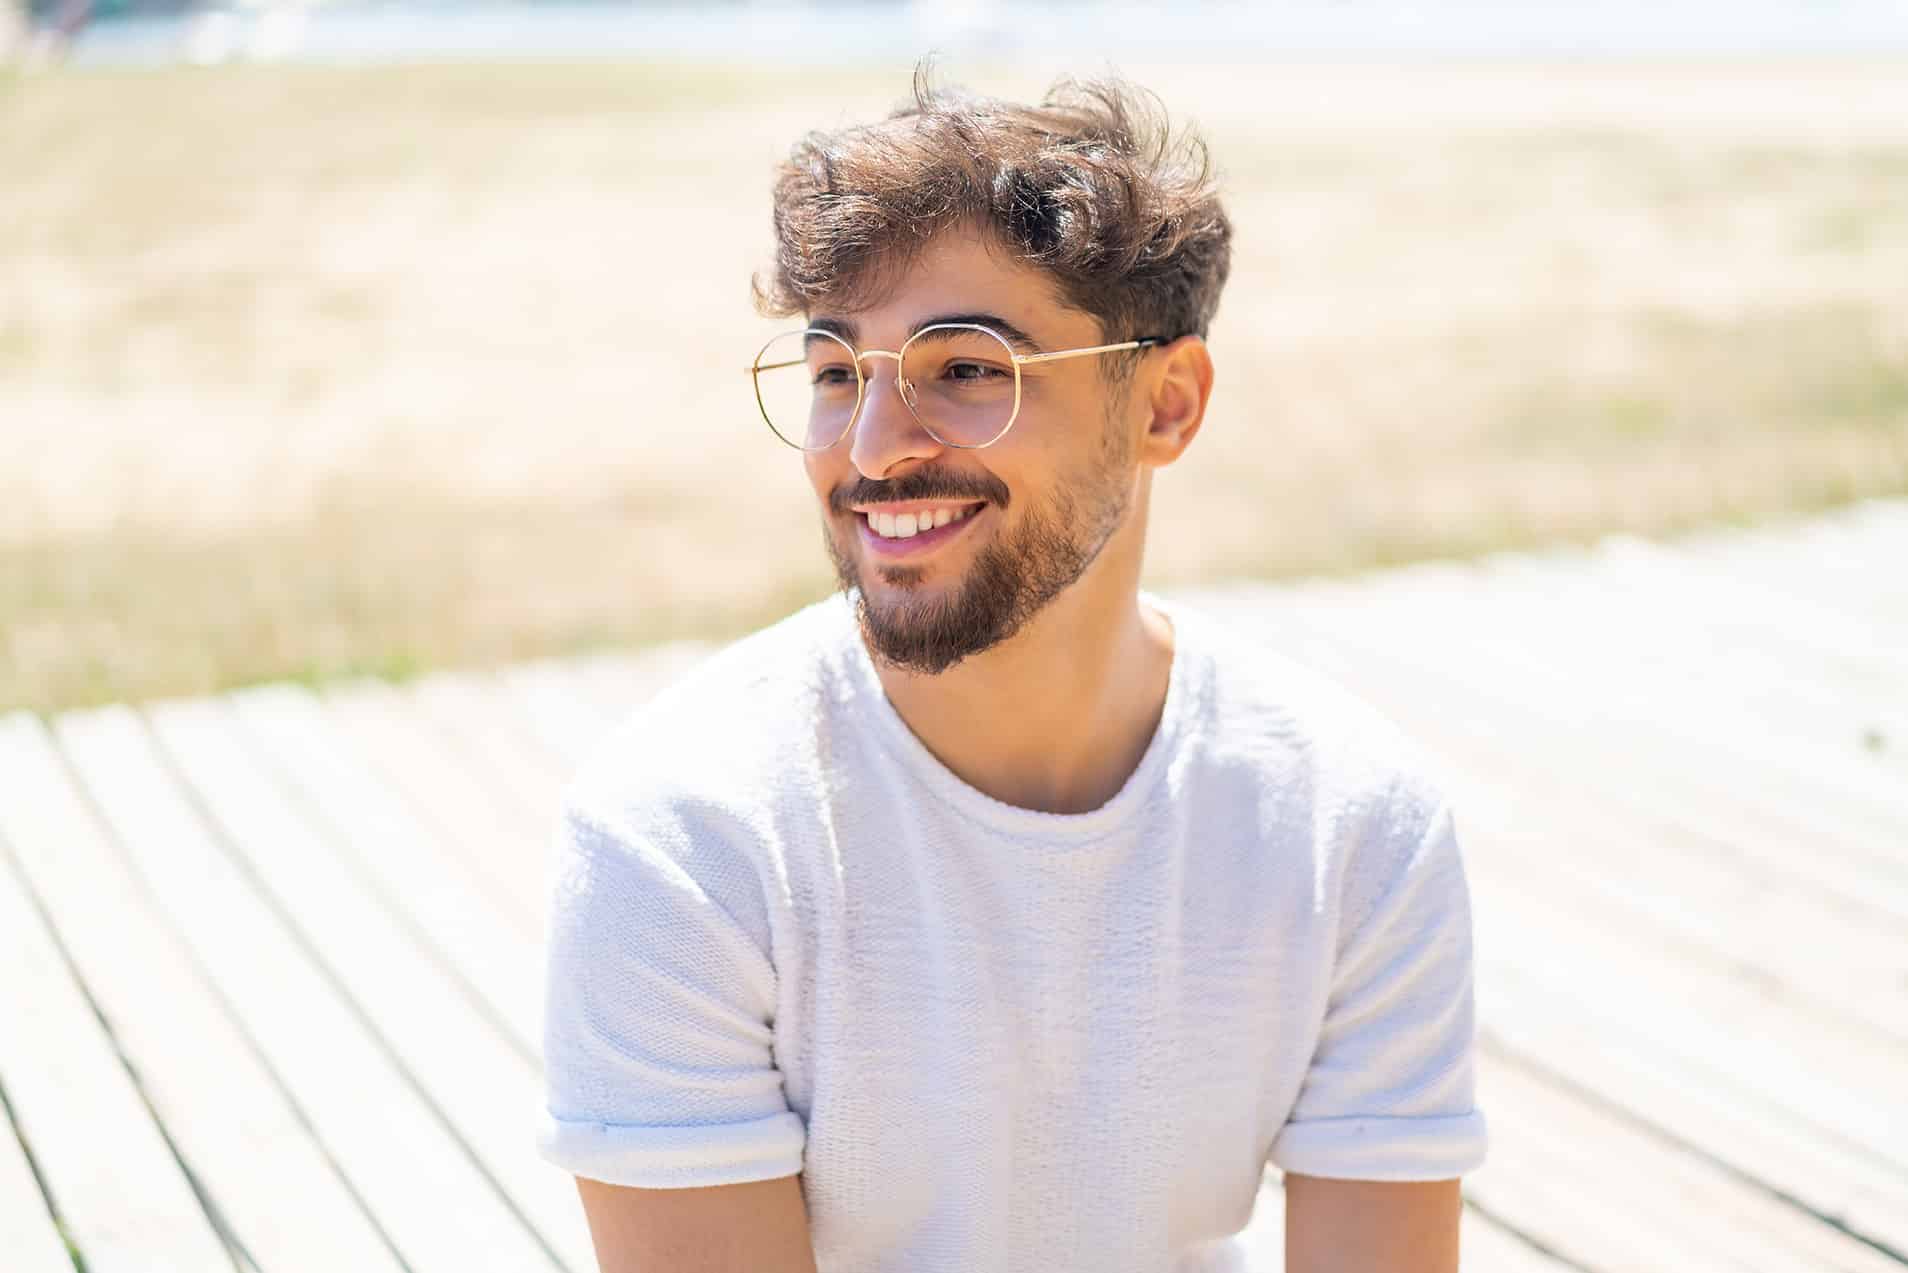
point(725, 730)
point(690, 789)
point(1257, 698)
point(1373, 789)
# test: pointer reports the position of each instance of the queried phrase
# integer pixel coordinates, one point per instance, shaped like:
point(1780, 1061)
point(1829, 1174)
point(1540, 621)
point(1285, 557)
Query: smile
point(916, 528)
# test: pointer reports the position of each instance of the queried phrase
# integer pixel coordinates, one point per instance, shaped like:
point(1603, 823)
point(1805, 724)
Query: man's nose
point(886, 434)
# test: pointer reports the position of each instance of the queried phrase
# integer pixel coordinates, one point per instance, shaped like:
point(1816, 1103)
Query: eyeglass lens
point(960, 383)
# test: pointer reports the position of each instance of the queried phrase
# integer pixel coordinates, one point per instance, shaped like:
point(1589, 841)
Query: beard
point(1010, 581)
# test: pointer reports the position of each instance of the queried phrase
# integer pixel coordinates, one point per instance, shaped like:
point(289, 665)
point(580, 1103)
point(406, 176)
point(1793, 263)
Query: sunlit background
point(382, 337)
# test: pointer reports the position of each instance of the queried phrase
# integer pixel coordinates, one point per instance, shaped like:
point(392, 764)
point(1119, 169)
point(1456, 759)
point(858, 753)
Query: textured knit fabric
point(785, 938)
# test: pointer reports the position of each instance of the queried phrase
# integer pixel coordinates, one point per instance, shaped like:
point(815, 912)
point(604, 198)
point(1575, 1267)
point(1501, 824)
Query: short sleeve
point(1390, 1092)
point(657, 1031)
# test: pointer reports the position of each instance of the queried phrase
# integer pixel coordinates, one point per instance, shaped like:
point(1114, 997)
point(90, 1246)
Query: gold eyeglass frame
point(861, 381)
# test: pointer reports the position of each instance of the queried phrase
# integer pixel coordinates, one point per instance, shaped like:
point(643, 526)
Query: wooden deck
point(271, 960)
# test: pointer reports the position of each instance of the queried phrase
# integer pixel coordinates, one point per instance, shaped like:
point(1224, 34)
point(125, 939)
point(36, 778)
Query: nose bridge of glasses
point(900, 382)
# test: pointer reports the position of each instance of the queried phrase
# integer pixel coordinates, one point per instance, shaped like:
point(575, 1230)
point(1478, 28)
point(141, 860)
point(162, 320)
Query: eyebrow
point(1019, 339)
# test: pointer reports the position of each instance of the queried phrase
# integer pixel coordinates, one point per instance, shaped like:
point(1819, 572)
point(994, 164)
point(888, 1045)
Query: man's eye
point(971, 371)
point(834, 377)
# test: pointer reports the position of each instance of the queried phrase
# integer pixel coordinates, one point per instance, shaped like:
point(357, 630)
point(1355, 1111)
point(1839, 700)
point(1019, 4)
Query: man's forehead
point(959, 275)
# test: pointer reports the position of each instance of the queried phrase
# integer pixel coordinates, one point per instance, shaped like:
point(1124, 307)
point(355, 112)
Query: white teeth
point(907, 525)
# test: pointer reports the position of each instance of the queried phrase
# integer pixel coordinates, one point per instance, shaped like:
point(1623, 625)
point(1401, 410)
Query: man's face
point(1026, 516)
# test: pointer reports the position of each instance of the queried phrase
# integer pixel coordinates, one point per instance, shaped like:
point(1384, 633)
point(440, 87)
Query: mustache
point(922, 485)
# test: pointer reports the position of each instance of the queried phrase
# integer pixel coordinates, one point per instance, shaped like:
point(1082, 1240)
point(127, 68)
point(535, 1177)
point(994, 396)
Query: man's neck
point(1057, 717)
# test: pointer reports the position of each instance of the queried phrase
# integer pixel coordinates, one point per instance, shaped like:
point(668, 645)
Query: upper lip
point(914, 506)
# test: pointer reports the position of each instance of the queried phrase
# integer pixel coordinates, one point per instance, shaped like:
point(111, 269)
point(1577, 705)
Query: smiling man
point(995, 913)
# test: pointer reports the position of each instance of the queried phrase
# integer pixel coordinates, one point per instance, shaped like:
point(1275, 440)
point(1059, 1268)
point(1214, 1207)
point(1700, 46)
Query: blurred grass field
point(312, 371)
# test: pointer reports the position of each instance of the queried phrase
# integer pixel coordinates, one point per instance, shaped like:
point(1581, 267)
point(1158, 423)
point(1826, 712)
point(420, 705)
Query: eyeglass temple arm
point(1052, 357)
point(1093, 349)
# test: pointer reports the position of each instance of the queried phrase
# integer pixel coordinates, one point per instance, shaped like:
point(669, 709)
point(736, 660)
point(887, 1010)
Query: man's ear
point(1177, 394)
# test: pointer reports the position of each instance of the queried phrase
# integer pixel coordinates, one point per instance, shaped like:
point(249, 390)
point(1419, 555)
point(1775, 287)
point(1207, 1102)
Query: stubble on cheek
point(843, 563)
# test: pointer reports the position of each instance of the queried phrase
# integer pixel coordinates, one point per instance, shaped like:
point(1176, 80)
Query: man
point(995, 914)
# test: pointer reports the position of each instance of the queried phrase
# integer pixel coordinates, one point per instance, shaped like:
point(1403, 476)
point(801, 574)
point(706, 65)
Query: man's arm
point(1371, 1226)
point(757, 1227)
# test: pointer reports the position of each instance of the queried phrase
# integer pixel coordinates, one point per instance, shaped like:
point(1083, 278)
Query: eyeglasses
point(961, 381)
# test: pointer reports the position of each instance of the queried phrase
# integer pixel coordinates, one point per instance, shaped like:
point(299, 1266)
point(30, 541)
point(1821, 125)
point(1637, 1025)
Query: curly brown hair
point(1091, 185)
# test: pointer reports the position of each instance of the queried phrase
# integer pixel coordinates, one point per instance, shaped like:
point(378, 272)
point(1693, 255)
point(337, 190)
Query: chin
point(908, 578)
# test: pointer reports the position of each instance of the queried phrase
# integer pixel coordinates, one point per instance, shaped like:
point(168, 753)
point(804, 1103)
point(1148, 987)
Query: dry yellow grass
point(305, 371)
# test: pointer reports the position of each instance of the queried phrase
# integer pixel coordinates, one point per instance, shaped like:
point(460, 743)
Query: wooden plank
point(477, 721)
point(1697, 1033)
point(568, 724)
point(1547, 1197)
point(245, 1142)
point(1857, 952)
point(124, 1200)
point(1489, 615)
point(498, 849)
point(1883, 515)
point(1834, 964)
point(27, 1230)
point(1690, 1057)
point(1746, 666)
point(1866, 710)
point(1521, 720)
point(621, 682)
point(1769, 679)
point(459, 1059)
point(1739, 682)
point(1841, 962)
point(439, 1210)
point(414, 874)
point(1583, 718)
point(1486, 1246)
point(1611, 1194)
point(1698, 1058)
point(1793, 798)
point(591, 696)
point(1800, 628)
point(576, 703)
point(1846, 566)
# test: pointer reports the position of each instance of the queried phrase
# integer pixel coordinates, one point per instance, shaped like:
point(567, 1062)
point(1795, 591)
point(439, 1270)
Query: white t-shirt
point(785, 938)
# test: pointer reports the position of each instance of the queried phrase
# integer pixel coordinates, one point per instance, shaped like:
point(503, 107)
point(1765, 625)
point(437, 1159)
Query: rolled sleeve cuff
point(1383, 1148)
point(675, 1157)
